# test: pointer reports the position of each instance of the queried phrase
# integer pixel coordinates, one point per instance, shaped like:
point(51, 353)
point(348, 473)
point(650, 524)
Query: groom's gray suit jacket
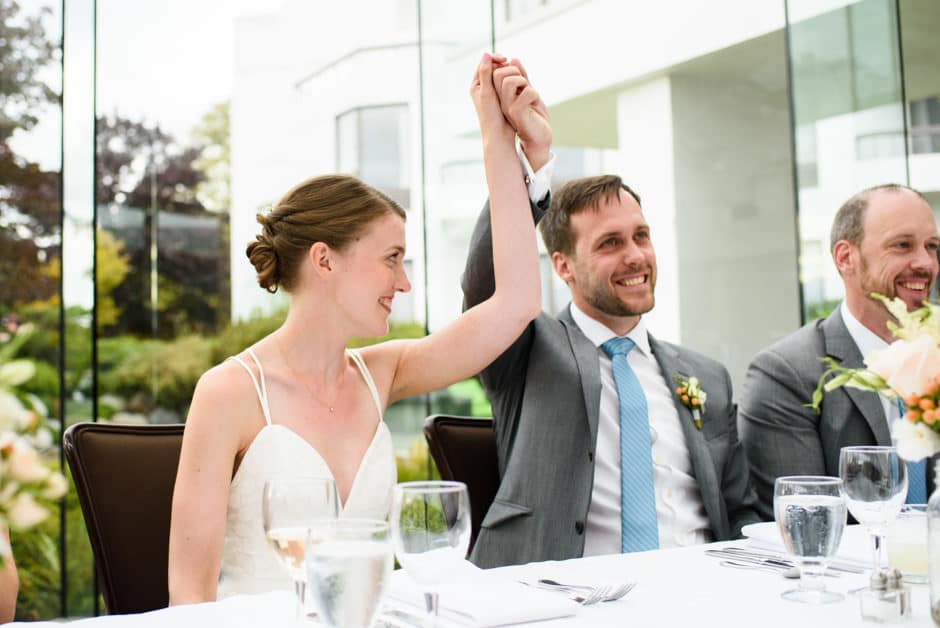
point(545, 391)
point(782, 436)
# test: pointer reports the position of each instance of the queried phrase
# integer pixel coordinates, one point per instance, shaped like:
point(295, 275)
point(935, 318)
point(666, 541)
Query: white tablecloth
point(677, 587)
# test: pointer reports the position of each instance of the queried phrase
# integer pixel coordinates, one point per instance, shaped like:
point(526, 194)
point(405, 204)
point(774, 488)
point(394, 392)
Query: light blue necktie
point(639, 529)
point(916, 473)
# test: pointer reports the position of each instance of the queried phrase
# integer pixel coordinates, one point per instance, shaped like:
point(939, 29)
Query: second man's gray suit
point(545, 391)
point(781, 434)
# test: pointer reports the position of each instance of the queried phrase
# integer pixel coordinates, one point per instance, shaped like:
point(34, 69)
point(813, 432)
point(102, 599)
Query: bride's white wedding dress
point(248, 564)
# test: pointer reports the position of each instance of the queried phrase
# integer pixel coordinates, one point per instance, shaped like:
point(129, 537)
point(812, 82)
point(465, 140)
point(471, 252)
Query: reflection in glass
point(849, 114)
point(31, 254)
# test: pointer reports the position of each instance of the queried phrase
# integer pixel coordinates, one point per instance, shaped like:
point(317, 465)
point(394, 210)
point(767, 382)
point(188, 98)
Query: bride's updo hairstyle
point(334, 209)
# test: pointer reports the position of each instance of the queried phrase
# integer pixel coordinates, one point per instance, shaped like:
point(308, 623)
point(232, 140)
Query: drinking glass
point(875, 483)
point(288, 508)
point(907, 543)
point(349, 562)
point(431, 532)
point(810, 514)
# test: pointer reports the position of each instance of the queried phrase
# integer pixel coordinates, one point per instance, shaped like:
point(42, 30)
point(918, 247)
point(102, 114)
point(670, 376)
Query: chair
point(464, 449)
point(124, 477)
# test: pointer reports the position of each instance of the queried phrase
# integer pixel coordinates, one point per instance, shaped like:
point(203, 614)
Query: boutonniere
point(690, 393)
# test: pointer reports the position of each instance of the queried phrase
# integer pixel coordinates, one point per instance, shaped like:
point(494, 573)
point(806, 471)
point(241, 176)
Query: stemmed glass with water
point(810, 513)
point(431, 532)
point(875, 481)
point(289, 507)
point(349, 563)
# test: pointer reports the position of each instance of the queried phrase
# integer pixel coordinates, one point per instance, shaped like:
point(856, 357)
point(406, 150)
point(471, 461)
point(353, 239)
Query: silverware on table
point(773, 560)
point(583, 594)
point(786, 572)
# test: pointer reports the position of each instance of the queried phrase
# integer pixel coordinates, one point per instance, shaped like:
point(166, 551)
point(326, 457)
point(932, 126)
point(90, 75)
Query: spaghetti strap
point(261, 389)
point(367, 376)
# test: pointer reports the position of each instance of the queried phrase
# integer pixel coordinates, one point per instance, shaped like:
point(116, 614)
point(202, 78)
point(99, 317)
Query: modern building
point(743, 126)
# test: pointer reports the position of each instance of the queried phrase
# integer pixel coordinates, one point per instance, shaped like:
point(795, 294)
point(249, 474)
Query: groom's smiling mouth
point(632, 281)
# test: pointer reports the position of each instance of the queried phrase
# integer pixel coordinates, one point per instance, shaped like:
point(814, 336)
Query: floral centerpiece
point(909, 370)
point(27, 484)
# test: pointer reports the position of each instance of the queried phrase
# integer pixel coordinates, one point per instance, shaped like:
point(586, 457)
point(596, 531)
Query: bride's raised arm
point(482, 333)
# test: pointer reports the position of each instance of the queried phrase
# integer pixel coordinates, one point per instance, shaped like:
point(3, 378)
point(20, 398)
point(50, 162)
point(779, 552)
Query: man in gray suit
point(558, 400)
point(884, 240)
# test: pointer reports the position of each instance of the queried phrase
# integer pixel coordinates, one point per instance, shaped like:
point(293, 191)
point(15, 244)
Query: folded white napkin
point(474, 597)
point(854, 549)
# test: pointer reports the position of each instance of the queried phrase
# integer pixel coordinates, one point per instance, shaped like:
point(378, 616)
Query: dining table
point(685, 587)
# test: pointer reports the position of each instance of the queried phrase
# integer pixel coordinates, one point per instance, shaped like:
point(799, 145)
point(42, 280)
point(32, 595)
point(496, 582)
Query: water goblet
point(288, 508)
point(810, 513)
point(431, 532)
point(875, 483)
point(349, 562)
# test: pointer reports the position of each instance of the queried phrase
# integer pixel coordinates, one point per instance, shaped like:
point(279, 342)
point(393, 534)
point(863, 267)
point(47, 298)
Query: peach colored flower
point(24, 464)
point(908, 366)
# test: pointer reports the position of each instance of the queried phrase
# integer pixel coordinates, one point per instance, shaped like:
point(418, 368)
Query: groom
point(598, 454)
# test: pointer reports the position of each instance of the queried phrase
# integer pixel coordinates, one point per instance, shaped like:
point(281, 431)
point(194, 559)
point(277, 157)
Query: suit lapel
point(702, 464)
point(585, 355)
point(841, 347)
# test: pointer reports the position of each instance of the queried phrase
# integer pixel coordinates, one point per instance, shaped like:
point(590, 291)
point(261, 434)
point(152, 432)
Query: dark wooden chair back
point(124, 477)
point(464, 449)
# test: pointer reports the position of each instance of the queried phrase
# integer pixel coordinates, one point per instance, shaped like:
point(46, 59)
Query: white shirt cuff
point(539, 183)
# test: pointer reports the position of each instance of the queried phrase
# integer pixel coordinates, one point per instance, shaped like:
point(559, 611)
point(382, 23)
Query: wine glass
point(349, 562)
point(431, 532)
point(288, 508)
point(810, 514)
point(875, 484)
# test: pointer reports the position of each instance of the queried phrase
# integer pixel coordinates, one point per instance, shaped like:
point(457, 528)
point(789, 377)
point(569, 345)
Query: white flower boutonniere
point(690, 393)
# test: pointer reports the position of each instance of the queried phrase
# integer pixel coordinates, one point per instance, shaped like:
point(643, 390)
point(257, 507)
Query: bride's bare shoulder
point(225, 390)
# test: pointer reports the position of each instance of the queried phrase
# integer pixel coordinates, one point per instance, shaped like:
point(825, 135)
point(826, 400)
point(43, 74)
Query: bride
point(298, 402)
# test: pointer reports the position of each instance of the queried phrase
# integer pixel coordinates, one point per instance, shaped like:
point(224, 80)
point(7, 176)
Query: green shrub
point(415, 464)
point(237, 336)
point(44, 384)
point(174, 367)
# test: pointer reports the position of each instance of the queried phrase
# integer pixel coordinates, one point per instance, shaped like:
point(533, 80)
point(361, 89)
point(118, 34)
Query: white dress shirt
point(679, 507)
point(539, 182)
point(868, 341)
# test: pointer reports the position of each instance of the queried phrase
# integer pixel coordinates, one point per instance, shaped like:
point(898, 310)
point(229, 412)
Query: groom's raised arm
point(530, 121)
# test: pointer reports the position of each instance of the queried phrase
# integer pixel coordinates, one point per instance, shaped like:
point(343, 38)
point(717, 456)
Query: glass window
point(925, 125)
point(31, 268)
point(372, 144)
point(846, 85)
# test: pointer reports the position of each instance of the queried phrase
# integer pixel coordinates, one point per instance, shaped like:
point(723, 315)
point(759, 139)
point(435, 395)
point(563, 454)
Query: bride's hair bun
point(333, 209)
point(263, 256)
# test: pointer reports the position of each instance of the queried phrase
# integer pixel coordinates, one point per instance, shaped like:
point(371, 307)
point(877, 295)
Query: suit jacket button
point(591, 456)
point(579, 527)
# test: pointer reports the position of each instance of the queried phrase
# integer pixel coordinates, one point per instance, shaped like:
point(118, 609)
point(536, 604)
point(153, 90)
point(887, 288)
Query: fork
point(586, 595)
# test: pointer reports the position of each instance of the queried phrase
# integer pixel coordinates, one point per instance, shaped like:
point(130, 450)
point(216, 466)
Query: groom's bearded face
point(613, 268)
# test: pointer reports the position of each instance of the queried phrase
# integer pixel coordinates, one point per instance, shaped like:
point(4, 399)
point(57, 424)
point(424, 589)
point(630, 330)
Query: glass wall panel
point(694, 115)
point(453, 36)
point(31, 261)
point(920, 48)
point(849, 114)
point(78, 263)
point(162, 202)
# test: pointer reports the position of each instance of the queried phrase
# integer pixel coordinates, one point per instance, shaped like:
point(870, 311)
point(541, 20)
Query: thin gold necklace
point(330, 406)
